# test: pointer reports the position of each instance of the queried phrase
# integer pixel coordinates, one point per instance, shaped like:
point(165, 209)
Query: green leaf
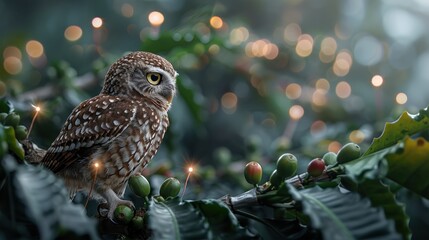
point(343, 215)
point(381, 196)
point(409, 166)
point(43, 199)
point(191, 96)
point(193, 220)
point(407, 124)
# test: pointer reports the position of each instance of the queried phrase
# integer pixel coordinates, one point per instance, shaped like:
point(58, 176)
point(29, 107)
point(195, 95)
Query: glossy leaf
point(409, 167)
point(193, 220)
point(407, 124)
point(381, 196)
point(343, 215)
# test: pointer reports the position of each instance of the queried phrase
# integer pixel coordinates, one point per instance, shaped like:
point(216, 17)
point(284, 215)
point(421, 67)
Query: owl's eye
point(153, 78)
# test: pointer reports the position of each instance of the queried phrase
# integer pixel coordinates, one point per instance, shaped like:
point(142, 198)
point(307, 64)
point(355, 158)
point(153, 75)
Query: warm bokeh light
point(262, 48)
point(190, 169)
point(216, 22)
point(293, 91)
point(34, 49)
point(73, 33)
point(229, 101)
point(343, 89)
point(127, 10)
point(377, 80)
point(319, 98)
point(12, 51)
point(291, 33)
point(334, 146)
point(214, 49)
point(97, 22)
point(357, 136)
point(401, 98)
point(296, 112)
point(304, 47)
point(36, 108)
point(317, 127)
point(328, 47)
point(156, 19)
point(343, 63)
point(323, 85)
point(12, 65)
point(239, 35)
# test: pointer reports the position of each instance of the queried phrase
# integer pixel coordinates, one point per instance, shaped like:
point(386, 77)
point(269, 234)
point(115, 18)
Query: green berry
point(12, 119)
point(137, 222)
point(21, 132)
point(253, 173)
point(123, 214)
point(316, 167)
point(139, 185)
point(275, 179)
point(330, 158)
point(348, 152)
point(170, 188)
point(287, 164)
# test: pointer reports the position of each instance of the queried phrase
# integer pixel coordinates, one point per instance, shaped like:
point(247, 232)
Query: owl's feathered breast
point(97, 123)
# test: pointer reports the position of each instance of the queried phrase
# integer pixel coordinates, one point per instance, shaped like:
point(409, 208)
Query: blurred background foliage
point(257, 78)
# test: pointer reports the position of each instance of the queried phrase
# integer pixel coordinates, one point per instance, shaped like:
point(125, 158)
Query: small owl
point(116, 133)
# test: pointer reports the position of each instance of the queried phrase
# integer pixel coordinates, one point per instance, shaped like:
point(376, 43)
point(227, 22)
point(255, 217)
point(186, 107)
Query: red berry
point(253, 173)
point(316, 167)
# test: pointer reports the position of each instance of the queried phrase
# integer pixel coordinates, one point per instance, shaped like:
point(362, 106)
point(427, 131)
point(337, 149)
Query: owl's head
point(142, 74)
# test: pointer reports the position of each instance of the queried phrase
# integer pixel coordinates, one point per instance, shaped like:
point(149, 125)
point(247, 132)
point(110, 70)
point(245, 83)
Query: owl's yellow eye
point(154, 78)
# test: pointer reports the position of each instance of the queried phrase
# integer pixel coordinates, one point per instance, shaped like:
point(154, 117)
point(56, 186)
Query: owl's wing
point(95, 122)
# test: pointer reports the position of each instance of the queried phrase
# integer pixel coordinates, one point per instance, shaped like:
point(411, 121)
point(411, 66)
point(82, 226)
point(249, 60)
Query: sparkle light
point(37, 109)
point(293, 91)
point(96, 166)
point(34, 49)
point(343, 89)
point(377, 80)
point(401, 98)
point(156, 18)
point(97, 22)
point(216, 22)
point(73, 33)
point(190, 170)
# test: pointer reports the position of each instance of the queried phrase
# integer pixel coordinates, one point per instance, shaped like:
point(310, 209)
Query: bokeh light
point(319, 98)
point(216, 22)
point(401, 98)
point(343, 89)
point(296, 112)
point(73, 33)
point(317, 127)
point(377, 80)
point(343, 63)
point(229, 101)
point(304, 47)
point(239, 35)
point(334, 146)
point(34, 49)
point(293, 91)
point(328, 47)
point(292, 33)
point(357, 136)
point(323, 85)
point(12, 65)
point(127, 10)
point(156, 18)
point(12, 51)
point(97, 22)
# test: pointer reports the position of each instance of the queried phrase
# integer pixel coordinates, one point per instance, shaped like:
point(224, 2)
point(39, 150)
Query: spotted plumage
point(120, 129)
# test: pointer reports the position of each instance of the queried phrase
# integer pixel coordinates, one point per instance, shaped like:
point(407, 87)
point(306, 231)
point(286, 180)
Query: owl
point(114, 135)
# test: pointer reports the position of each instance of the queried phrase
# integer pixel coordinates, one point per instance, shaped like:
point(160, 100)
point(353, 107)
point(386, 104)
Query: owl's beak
point(169, 98)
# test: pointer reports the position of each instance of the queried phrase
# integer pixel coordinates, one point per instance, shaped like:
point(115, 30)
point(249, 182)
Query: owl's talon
point(115, 204)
